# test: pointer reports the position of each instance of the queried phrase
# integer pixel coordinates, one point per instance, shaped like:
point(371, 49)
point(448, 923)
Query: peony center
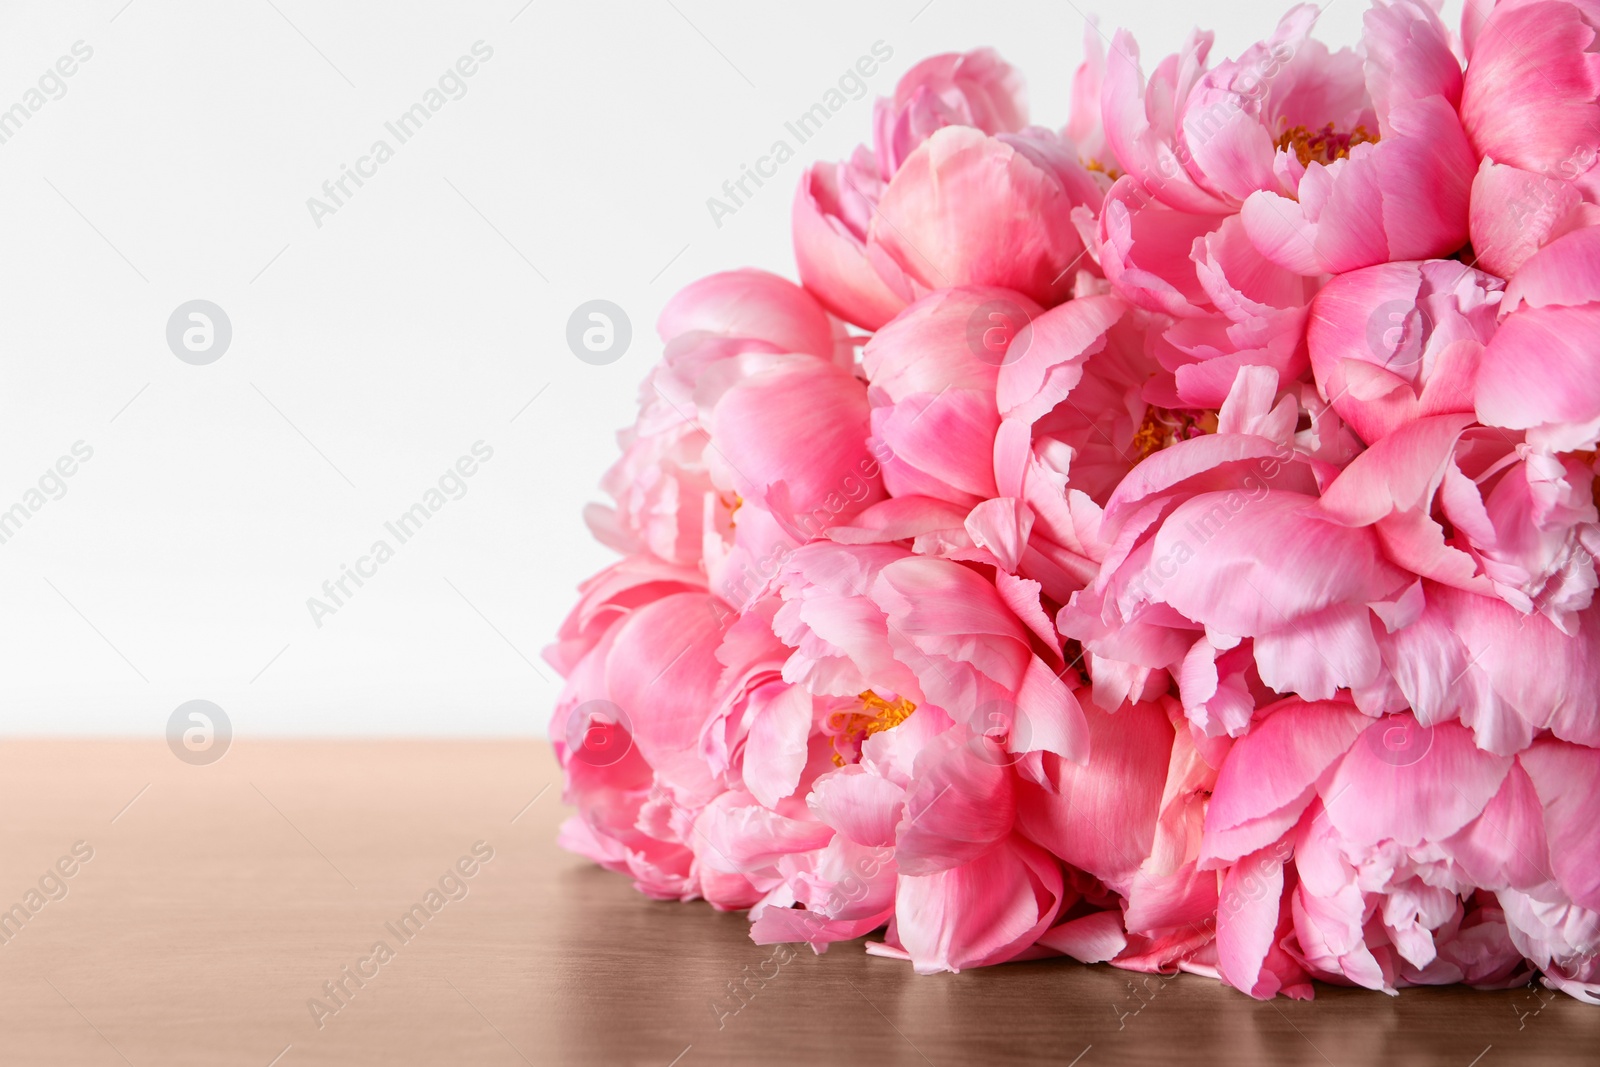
point(854, 727)
point(1100, 168)
point(1324, 145)
point(1164, 427)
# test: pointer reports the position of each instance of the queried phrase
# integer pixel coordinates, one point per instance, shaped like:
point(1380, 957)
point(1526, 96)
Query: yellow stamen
point(1109, 172)
point(876, 716)
point(1163, 428)
point(1324, 145)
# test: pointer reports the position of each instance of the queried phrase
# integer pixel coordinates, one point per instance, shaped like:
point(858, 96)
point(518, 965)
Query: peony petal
point(1409, 784)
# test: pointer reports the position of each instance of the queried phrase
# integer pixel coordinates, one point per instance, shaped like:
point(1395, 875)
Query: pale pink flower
point(1403, 192)
point(1517, 212)
point(1215, 542)
point(1007, 429)
point(1506, 674)
point(717, 331)
point(932, 372)
point(1335, 835)
point(925, 842)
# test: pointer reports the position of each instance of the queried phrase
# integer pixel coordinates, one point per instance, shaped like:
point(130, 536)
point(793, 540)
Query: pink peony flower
point(717, 331)
point(1401, 341)
point(932, 372)
point(905, 749)
point(931, 631)
point(1516, 212)
point(925, 842)
point(958, 192)
point(1466, 506)
point(1531, 97)
point(1301, 142)
point(1506, 674)
point(1339, 832)
point(751, 439)
point(1538, 372)
point(1395, 190)
point(835, 203)
point(1196, 570)
point(1187, 576)
point(638, 662)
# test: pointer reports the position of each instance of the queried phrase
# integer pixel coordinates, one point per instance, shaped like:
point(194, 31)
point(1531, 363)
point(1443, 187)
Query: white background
point(376, 349)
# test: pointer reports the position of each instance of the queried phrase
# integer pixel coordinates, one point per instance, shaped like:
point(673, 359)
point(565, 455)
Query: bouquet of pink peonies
point(1168, 542)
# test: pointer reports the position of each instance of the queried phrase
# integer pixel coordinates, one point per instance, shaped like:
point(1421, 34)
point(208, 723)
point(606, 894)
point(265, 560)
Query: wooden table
point(220, 899)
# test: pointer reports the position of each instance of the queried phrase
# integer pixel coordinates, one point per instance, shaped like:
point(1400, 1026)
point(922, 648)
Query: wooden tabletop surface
point(179, 914)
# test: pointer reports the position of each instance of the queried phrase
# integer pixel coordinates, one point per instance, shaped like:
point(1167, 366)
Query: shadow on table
point(647, 981)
